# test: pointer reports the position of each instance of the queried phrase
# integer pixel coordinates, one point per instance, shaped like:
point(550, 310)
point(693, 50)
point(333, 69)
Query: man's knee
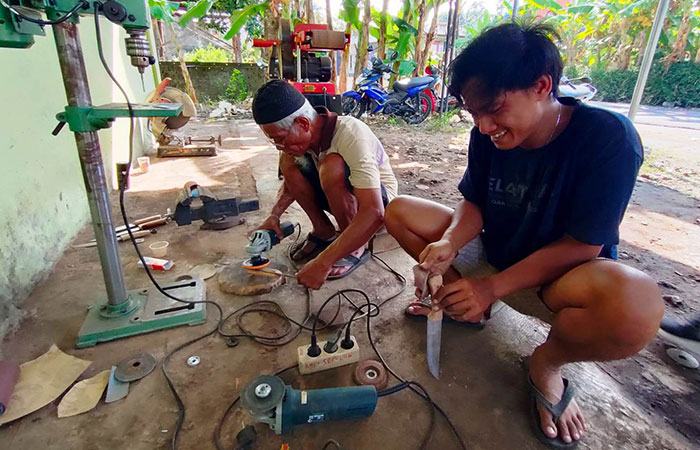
point(628, 303)
point(331, 172)
point(395, 214)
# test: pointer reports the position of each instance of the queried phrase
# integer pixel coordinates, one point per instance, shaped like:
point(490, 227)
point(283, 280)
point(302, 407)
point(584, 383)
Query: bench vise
point(216, 214)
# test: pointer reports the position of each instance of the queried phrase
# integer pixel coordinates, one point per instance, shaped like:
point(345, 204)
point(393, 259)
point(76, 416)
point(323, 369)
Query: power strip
point(324, 361)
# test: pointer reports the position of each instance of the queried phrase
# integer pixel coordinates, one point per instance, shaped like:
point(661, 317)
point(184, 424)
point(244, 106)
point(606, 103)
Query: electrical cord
point(80, 5)
point(265, 340)
point(122, 207)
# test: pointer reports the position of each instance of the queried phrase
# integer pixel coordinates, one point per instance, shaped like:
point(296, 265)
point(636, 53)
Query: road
point(658, 116)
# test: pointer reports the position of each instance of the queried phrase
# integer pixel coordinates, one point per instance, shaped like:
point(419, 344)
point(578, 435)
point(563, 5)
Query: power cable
point(80, 5)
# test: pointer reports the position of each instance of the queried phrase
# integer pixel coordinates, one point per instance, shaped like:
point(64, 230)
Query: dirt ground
point(660, 236)
point(645, 402)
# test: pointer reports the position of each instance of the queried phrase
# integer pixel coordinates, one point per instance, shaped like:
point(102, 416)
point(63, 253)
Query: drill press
point(122, 313)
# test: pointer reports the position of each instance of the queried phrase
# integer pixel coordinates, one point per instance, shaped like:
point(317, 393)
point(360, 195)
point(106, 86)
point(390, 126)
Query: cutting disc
point(135, 367)
point(172, 95)
point(272, 389)
point(371, 373)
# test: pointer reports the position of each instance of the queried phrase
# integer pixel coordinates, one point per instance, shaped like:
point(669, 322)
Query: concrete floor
point(483, 382)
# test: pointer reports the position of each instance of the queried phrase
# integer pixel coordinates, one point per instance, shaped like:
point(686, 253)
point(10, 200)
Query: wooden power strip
point(324, 361)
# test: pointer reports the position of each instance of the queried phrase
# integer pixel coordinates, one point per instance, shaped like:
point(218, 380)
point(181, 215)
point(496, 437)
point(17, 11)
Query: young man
point(329, 163)
point(546, 186)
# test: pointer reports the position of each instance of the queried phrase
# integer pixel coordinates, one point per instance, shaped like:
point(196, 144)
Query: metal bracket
point(82, 119)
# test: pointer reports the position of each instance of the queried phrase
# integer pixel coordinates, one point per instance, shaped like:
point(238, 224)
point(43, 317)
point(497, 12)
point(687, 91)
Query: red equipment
point(308, 72)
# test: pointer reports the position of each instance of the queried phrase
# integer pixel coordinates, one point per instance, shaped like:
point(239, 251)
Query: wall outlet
point(324, 361)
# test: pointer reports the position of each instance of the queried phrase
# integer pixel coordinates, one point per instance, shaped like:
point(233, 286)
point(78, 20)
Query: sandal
point(445, 318)
point(536, 396)
point(350, 261)
point(319, 246)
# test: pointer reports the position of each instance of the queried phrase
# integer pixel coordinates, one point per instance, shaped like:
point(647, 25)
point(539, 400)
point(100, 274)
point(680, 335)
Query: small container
point(159, 249)
point(144, 163)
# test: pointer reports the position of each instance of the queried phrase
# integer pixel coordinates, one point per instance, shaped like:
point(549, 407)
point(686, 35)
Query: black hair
point(507, 57)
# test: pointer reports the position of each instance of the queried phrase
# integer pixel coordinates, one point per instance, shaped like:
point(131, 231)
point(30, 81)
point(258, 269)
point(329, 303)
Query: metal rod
point(446, 59)
point(70, 56)
point(648, 58)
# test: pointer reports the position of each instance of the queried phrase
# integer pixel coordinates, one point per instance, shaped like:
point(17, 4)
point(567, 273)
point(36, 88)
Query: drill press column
point(70, 56)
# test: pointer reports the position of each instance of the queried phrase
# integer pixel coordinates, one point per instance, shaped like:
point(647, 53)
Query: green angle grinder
point(282, 407)
point(262, 241)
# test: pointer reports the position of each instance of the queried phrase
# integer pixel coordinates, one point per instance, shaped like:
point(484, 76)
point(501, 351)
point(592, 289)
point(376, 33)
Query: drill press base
point(148, 311)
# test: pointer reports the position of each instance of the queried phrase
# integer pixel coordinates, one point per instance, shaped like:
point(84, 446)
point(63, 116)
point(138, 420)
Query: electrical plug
point(331, 345)
point(314, 350)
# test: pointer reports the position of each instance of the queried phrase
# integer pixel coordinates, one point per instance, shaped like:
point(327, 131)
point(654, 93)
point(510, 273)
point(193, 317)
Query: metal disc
point(273, 390)
point(135, 367)
point(683, 358)
point(371, 373)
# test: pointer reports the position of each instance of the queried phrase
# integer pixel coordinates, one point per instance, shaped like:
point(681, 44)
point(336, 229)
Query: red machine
point(294, 58)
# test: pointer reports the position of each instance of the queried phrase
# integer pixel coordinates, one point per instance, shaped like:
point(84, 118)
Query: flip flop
point(445, 318)
point(350, 261)
point(319, 246)
point(536, 396)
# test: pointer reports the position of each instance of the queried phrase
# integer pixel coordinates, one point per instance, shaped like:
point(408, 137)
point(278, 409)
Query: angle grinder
point(262, 241)
point(282, 407)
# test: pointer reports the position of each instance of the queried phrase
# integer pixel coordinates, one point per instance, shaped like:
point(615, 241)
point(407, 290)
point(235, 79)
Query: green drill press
point(121, 313)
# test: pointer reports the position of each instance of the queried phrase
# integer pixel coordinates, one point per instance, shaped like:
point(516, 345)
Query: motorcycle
point(578, 88)
point(407, 99)
point(437, 100)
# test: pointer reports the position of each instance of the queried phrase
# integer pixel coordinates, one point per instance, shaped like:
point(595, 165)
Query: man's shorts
point(471, 262)
point(308, 169)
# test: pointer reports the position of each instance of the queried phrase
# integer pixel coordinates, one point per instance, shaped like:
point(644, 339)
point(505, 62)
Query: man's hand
point(465, 300)
point(437, 256)
point(314, 274)
point(272, 223)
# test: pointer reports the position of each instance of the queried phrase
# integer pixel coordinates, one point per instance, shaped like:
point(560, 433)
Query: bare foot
point(548, 380)
point(339, 270)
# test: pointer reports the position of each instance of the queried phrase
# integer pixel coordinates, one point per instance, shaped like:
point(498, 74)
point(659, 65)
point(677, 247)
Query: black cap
point(276, 100)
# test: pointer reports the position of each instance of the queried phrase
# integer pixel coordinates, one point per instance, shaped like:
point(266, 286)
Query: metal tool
point(427, 284)
point(193, 361)
point(282, 407)
point(262, 241)
point(135, 367)
point(120, 312)
point(116, 390)
point(216, 214)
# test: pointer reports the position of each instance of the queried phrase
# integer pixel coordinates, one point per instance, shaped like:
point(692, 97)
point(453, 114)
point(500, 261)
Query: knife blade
point(427, 284)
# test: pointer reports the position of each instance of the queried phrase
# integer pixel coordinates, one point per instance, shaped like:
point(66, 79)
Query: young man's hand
point(314, 274)
point(465, 300)
point(272, 223)
point(437, 256)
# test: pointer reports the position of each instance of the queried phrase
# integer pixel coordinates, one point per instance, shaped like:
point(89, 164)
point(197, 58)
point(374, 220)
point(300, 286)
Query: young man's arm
point(467, 299)
point(467, 223)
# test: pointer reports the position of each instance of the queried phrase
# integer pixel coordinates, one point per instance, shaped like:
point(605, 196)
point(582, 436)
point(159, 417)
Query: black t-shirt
point(578, 185)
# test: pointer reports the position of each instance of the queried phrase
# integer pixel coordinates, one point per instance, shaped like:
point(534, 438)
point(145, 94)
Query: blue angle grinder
point(282, 407)
point(261, 241)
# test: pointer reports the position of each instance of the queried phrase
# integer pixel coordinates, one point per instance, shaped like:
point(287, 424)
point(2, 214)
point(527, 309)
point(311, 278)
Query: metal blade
point(116, 389)
point(434, 337)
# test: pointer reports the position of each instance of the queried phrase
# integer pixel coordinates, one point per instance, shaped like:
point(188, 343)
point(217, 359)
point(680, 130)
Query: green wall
point(44, 204)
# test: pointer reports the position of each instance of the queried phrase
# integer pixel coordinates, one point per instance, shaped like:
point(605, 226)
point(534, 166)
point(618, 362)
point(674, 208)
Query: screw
point(263, 390)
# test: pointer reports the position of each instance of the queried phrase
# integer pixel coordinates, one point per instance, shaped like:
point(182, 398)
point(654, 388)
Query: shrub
point(237, 89)
point(680, 85)
point(209, 54)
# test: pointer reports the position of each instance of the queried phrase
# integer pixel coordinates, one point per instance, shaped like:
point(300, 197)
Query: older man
point(330, 163)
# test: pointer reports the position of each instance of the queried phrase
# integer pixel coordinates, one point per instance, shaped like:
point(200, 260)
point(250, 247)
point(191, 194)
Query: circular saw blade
point(173, 95)
point(135, 367)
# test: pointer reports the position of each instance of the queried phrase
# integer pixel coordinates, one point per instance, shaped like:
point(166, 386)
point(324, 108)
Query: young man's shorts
point(471, 262)
point(310, 172)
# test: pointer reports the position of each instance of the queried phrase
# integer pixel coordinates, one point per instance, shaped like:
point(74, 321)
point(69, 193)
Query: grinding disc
point(135, 367)
point(274, 392)
point(234, 279)
point(371, 373)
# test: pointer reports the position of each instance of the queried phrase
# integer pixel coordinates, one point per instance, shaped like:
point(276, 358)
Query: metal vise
point(216, 214)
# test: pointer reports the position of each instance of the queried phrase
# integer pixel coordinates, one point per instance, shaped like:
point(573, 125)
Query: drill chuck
point(138, 49)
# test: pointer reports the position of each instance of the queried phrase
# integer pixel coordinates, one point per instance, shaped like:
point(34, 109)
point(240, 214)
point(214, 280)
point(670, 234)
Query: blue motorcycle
point(407, 100)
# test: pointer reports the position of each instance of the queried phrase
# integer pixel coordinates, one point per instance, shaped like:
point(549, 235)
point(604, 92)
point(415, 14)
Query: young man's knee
point(395, 214)
point(332, 172)
point(629, 304)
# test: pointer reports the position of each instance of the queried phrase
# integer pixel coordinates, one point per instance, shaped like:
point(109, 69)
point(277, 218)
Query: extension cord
point(324, 361)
